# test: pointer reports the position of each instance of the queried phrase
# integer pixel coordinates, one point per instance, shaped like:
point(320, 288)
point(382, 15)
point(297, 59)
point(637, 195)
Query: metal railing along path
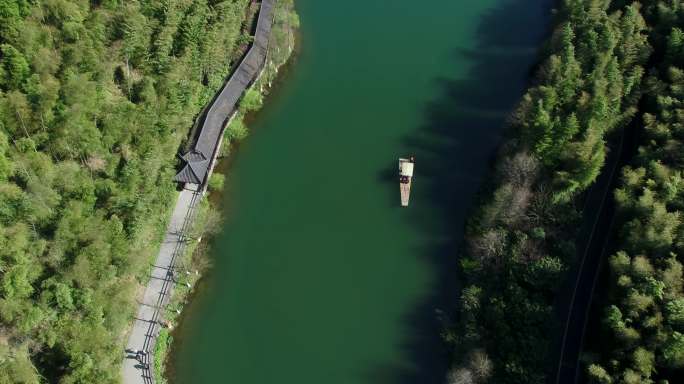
point(165, 292)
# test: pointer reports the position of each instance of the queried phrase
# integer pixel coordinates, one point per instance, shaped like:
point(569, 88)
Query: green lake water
point(319, 276)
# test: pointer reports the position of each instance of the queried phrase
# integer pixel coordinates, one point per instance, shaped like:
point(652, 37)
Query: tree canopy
point(521, 241)
point(644, 318)
point(96, 98)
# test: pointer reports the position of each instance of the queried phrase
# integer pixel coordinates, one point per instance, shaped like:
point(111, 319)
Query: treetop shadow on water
point(453, 147)
point(320, 276)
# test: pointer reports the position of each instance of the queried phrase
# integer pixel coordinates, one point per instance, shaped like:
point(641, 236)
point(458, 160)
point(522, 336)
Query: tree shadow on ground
point(453, 147)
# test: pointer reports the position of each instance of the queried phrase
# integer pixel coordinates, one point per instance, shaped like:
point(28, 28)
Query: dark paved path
point(205, 146)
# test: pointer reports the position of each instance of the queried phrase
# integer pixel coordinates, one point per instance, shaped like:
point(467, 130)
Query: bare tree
point(518, 203)
point(490, 245)
point(461, 376)
point(521, 169)
point(480, 364)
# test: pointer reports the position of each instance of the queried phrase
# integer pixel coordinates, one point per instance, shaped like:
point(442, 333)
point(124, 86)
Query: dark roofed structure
point(199, 159)
point(195, 169)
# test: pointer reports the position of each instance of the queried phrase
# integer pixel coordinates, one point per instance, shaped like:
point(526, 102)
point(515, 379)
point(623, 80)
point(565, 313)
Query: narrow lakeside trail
point(320, 276)
point(138, 365)
point(138, 368)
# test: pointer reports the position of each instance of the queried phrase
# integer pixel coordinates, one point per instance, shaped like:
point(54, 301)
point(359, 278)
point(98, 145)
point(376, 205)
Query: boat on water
point(405, 179)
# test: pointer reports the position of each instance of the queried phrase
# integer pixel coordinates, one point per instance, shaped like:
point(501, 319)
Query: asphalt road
point(593, 247)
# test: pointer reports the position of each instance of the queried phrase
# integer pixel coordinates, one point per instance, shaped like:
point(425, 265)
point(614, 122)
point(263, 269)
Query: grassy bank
point(281, 47)
point(197, 257)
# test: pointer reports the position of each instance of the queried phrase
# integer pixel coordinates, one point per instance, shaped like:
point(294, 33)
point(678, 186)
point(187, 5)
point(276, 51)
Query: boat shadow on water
point(454, 148)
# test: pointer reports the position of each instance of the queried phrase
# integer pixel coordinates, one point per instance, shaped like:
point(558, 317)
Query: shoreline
point(268, 84)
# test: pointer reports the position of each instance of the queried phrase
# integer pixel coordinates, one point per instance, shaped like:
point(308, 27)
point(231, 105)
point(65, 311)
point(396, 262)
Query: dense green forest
point(521, 240)
point(643, 319)
point(96, 98)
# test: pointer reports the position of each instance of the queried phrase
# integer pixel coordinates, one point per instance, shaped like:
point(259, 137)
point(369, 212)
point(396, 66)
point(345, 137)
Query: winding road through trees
point(592, 245)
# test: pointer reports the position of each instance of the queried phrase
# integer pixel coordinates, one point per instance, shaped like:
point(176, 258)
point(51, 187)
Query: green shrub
point(216, 181)
point(237, 130)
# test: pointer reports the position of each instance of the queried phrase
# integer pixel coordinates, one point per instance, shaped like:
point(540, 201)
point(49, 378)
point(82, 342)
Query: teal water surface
point(320, 277)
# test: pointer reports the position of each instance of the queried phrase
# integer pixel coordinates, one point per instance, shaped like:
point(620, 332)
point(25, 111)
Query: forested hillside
point(643, 321)
point(95, 99)
point(521, 240)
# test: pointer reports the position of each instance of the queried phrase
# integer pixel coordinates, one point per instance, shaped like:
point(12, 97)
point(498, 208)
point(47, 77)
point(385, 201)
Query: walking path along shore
point(138, 365)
